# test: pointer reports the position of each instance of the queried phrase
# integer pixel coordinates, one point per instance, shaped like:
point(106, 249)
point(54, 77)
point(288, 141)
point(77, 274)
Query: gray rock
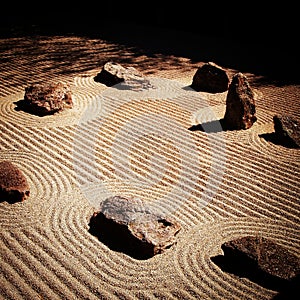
point(240, 104)
point(210, 78)
point(113, 73)
point(125, 225)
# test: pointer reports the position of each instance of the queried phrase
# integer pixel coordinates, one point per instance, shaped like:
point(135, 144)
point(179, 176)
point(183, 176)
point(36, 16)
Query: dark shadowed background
point(264, 35)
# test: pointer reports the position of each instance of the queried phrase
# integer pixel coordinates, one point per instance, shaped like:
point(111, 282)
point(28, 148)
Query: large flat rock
point(126, 225)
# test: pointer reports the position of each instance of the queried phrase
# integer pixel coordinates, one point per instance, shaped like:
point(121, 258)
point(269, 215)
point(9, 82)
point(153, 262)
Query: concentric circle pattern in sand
point(68, 232)
point(47, 183)
point(261, 143)
point(196, 268)
point(85, 99)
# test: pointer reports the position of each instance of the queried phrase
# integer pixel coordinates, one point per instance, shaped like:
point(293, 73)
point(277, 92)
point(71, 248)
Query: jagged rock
point(46, 99)
point(259, 259)
point(210, 78)
point(240, 104)
point(113, 73)
point(125, 225)
point(13, 184)
point(287, 130)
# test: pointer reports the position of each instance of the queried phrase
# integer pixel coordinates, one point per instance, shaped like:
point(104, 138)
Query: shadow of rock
point(290, 291)
point(210, 127)
point(261, 260)
point(274, 139)
point(21, 105)
point(242, 266)
point(118, 238)
point(12, 197)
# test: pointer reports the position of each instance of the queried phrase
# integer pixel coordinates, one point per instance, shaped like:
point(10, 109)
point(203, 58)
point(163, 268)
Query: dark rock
point(240, 104)
point(287, 130)
point(210, 78)
point(125, 225)
point(261, 260)
point(113, 73)
point(13, 184)
point(46, 99)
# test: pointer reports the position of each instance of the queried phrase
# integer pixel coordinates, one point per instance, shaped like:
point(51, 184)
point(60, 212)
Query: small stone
point(210, 78)
point(46, 99)
point(240, 104)
point(125, 225)
point(287, 130)
point(13, 184)
point(113, 73)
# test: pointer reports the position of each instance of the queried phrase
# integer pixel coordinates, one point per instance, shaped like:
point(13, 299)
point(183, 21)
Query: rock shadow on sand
point(22, 105)
point(124, 225)
point(243, 268)
point(260, 260)
point(118, 239)
point(211, 126)
point(273, 138)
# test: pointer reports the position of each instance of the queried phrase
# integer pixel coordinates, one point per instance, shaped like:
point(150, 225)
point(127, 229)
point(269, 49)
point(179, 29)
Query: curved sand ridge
point(68, 232)
point(47, 184)
point(85, 99)
point(218, 185)
point(194, 259)
point(143, 139)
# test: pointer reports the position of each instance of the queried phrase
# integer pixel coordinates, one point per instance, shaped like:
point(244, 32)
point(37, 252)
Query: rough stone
point(126, 225)
point(261, 260)
point(113, 73)
point(13, 184)
point(287, 130)
point(46, 99)
point(210, 78)
point(240, 104)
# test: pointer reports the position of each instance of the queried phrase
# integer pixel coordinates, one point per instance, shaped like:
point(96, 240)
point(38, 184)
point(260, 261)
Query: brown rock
point(287, 130)
point(45, 99)
point(13, 184)
point(113, 73)
point(261, 260)
point(210, 78)
point(240, 104)
point(125, 225)
point(267, 255)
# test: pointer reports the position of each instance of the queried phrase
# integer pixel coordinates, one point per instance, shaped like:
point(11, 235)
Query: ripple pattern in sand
point(47, 183)
point(200, 273)
point(267, 147)
point(154, 165)
point(143, 138)
point(95, 262)
point(135, 142)
point(85, 99)
point(210, 118)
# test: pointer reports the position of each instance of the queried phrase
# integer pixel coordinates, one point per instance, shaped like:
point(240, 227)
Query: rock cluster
point(125, 225)
point(13, 184)
point(47, 98)
point(240, 101)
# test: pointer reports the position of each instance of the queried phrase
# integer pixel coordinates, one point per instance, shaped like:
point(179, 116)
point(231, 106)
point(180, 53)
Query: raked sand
point(219, 185)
